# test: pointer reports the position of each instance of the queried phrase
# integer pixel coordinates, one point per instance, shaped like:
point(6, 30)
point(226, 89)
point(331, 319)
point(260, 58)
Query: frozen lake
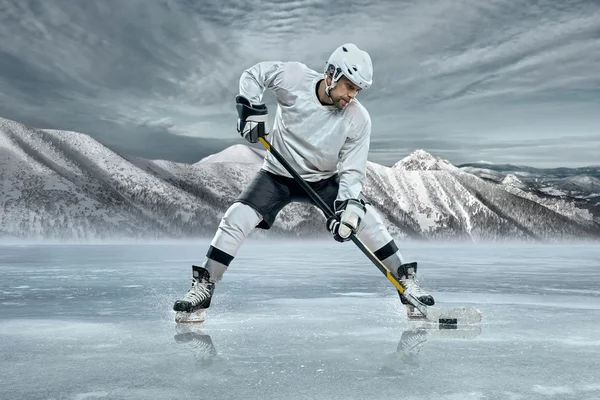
point(297, 320)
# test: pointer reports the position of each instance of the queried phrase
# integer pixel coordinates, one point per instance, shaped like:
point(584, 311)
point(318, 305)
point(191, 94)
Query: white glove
point(348, 215)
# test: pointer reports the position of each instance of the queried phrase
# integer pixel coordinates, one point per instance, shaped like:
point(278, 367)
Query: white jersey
point(318, 141)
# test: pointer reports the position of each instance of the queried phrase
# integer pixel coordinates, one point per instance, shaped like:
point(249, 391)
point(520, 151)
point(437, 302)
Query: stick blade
point(447, 317)
point(454, 316)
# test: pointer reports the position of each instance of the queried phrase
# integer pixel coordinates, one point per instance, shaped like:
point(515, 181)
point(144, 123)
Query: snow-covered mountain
point(420, 160)
point(65, 185)
point(238, 153)
point(512, 180)
point(580, 186)
point(577, 183)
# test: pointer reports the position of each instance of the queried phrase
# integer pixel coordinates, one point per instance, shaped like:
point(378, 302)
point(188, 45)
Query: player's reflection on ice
point(200, 344)
point(406, 357)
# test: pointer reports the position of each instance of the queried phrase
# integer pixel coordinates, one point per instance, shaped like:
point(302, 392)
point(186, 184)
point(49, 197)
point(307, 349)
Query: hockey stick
point(433, 313)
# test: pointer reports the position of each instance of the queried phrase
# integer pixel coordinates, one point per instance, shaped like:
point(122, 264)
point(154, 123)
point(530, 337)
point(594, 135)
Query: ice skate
point(191, 308)
point(412, 289)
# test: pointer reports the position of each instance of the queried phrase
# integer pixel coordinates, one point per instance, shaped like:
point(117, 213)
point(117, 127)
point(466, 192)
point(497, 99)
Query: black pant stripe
point(219, 256)
point(386, 251)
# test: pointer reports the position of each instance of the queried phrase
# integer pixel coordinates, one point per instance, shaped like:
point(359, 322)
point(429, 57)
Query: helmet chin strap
point(329, 87)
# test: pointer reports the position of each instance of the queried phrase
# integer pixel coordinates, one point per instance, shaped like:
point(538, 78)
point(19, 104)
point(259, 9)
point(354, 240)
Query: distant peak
point(237, 153)
point(512, 180)
point(420, 160)
point(420, 153)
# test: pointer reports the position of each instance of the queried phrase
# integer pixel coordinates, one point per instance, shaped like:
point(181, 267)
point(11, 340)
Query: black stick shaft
point(328, 213)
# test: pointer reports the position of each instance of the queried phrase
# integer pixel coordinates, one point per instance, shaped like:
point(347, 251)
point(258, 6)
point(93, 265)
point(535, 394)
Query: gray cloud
point(501, 80)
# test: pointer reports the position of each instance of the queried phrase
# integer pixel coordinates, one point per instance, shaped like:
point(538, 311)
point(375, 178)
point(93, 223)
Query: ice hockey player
point(324, 133)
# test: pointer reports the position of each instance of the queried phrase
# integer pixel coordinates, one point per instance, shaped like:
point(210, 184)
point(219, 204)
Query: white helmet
point(352, 62)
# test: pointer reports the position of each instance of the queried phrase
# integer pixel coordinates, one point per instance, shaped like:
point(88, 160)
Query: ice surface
point(297, 320)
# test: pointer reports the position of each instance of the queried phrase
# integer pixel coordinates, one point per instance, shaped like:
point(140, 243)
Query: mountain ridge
point(65, 185)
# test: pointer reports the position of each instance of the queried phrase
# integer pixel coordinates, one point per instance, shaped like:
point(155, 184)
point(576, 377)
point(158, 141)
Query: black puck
point(448, 323)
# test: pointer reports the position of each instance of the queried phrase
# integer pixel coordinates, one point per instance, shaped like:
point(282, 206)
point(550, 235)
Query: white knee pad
point(373, 233)
point(236, 224)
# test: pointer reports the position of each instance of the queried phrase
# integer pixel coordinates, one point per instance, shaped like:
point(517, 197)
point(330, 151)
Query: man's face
point(344, 92)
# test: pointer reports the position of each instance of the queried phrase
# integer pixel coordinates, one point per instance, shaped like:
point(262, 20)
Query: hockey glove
point(347, 218)
point(252, 119)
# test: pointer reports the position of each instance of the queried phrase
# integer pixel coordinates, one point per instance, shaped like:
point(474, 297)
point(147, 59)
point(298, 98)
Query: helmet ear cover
point(333, 72)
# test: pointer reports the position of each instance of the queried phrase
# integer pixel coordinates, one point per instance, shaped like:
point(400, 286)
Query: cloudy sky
point(513, 81)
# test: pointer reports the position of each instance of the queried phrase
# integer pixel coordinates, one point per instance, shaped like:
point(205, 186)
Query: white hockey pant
point(240, 220)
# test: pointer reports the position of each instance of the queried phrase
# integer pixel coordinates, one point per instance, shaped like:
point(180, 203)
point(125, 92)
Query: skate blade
point(413, 314)
point(196, 317)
